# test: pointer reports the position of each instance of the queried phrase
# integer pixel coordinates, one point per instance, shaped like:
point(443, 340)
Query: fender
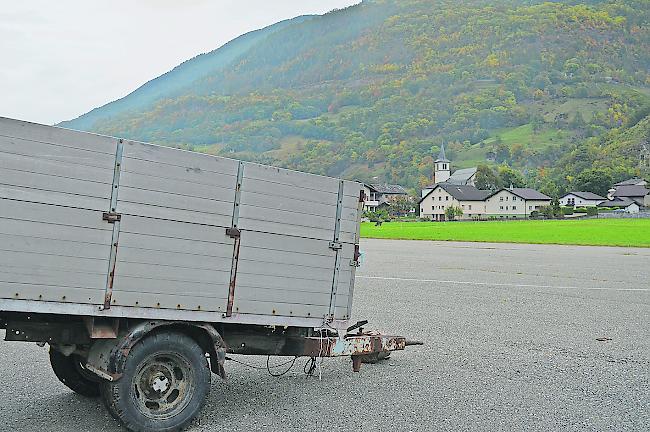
point(106, 358)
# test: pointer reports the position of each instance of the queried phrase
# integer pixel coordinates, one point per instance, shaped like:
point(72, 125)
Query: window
point(507, 198)
point(463, 206)
point(439, 198)
point(500, 207)
point(447, 198)
point(506, 207)
point(470, 206)
point(514, 207)
point(530, 207)
point(514, 198)
point(500, 198)
point(433, 207)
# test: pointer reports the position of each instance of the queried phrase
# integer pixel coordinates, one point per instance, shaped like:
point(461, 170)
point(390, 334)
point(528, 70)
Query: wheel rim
point(163, 385)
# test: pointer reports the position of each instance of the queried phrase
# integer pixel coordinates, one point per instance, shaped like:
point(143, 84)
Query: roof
point(631, 191)
point(617, 202)
point(529, 194)
point(461, 192)
point(462, 176)
point(441, 156)
point(388, 189)
point(631, 182)
point(586, 195)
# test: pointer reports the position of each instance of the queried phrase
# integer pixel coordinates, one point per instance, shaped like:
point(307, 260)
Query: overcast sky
point(60, 59)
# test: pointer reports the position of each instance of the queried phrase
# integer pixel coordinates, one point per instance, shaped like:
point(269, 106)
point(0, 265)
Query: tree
point(401, 206)
point(510, 177)
point(378, 216)
point(503, 152)
point(452, 212)
point(551, 211)
point(596, 180)
point(485, 178)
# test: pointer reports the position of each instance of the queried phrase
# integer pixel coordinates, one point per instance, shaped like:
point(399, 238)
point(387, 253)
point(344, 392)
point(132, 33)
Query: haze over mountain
point(373, 90)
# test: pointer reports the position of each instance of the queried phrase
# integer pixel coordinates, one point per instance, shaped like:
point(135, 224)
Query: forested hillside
point(372, 91)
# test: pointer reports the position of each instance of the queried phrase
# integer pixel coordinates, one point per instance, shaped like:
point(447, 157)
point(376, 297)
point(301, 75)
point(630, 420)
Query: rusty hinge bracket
point(111, 217)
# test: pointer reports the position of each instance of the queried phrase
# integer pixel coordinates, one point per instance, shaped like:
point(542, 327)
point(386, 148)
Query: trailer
point(143, 267)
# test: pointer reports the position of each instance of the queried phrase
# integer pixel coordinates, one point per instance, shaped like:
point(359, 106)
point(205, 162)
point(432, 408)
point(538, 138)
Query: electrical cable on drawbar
point(268, 366)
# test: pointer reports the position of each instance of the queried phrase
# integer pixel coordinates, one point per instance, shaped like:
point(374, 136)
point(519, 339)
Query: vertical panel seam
point(337, 249)
point(112, 260)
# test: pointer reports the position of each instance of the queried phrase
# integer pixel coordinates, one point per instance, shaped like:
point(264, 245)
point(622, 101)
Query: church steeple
point(441, 155)
point(442, 167)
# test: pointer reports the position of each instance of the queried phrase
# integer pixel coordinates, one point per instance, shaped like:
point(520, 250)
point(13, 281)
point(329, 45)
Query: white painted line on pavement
point(501, 284)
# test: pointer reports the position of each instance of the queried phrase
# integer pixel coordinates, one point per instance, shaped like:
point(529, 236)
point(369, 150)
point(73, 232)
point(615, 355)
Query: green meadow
point(593, 232)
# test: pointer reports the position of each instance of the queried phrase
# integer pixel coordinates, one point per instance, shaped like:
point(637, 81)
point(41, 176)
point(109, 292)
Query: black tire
point(165, 383)
point(70, 371)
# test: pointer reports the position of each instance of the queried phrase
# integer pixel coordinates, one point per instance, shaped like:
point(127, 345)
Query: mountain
point(373, 90)
point(173, 83)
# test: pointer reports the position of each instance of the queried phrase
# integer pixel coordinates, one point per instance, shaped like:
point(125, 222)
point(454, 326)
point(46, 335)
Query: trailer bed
point(99, 226)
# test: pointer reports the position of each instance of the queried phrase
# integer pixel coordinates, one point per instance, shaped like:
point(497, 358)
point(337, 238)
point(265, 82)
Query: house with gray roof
point(632, 182)
point(514, 203)
point(379, 195)
point(463, 176)
point(581, 199)
point(627, 204)
point(476, 204)
point(444, 195)
point(637, 193)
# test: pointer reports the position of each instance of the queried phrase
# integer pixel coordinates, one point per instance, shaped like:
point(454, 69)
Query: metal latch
point(233, 232)
point(336, 245)
point(111, 217)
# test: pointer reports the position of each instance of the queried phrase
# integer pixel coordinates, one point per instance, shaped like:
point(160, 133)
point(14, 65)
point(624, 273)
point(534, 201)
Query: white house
point(514, 203)
point(444, 195)
point(581, 199)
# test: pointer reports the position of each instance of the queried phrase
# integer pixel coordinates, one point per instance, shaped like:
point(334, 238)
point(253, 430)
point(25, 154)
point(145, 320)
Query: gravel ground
point(511, 344)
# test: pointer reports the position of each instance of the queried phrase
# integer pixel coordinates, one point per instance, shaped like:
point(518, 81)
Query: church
point(442, 173)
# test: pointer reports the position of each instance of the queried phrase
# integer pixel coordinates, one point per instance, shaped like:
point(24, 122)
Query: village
point(454, 196)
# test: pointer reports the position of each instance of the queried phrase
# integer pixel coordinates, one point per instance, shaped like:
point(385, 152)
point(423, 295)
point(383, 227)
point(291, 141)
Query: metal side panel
point(169, 184)
point(286, 207)
point(284, 274)
point(52, 253)
point(59, 137)
point(164, 264)
point(53, 173)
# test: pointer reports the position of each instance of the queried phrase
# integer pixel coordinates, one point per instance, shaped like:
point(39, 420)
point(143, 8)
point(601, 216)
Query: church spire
point(441, 156)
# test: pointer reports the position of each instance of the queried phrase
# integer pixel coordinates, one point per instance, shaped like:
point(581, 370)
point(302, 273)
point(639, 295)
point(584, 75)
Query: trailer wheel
point(164, 385)
point(71, 372)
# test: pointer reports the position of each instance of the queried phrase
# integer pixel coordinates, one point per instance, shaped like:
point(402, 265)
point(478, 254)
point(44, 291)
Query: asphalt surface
point(511, 336)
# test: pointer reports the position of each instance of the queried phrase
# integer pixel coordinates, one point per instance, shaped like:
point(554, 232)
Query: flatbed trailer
point(143, 266)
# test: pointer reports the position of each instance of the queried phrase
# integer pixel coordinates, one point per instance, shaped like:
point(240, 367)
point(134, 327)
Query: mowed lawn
point(595, 232)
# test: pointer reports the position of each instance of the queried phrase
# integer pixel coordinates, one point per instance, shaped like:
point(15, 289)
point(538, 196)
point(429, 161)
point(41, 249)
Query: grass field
point(595, 232)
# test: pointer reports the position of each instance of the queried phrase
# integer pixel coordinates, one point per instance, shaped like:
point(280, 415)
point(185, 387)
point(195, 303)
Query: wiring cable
point(268, 366)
